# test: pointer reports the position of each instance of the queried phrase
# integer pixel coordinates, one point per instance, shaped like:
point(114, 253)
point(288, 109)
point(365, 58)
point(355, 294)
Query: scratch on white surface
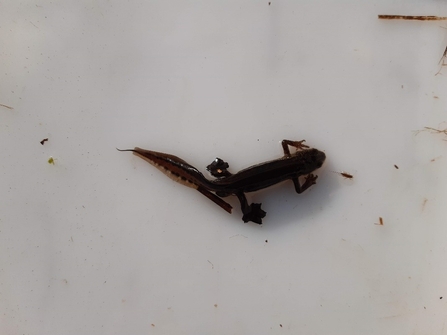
point(238, 235)
point(212, 265)
point(392, 316)
point(442, 61)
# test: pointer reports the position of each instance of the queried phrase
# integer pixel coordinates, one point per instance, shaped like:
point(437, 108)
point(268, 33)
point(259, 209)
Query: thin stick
point(439, 131)
point(412, 17)
point(6, 106)
point(345, 174)
point(432, 130)
point(214, 198)
point(380, 222)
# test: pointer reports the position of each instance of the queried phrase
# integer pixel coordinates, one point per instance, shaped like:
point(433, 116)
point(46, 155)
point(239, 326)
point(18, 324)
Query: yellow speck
point(51, 160)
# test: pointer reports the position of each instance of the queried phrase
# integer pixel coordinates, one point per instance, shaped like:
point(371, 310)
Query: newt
point(289, 167)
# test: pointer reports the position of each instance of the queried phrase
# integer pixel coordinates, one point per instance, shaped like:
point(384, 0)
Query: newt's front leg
point(251, 212)
point(310, 180)
point(296, 144)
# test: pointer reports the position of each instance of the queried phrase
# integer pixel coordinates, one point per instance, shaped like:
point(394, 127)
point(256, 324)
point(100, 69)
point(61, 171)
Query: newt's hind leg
point(251, 212)
point(310, 180)
point(297, 144)
point(218, 168)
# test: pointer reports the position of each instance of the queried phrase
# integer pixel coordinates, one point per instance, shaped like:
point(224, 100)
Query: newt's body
point(290, 166)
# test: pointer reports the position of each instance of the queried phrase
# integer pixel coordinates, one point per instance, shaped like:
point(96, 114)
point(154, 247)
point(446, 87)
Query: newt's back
point(269, 173)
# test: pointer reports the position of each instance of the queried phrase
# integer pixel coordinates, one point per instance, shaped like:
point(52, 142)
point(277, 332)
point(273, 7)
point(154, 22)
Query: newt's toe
point(311, 179)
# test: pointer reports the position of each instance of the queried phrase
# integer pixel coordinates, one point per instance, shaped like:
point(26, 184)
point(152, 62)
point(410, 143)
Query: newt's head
point(313, 159)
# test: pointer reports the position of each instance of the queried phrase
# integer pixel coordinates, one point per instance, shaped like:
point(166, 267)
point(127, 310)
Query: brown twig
point(412, 17)
point(380, 222)
point(344, 174)
point(9, 107)
point(432, 130)
point(438, 131)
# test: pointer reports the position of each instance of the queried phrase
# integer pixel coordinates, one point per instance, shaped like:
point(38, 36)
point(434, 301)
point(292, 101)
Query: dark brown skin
point(290, 166)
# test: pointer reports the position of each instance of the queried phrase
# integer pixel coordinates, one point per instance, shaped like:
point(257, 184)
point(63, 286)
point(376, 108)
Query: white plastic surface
point(103, 243)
